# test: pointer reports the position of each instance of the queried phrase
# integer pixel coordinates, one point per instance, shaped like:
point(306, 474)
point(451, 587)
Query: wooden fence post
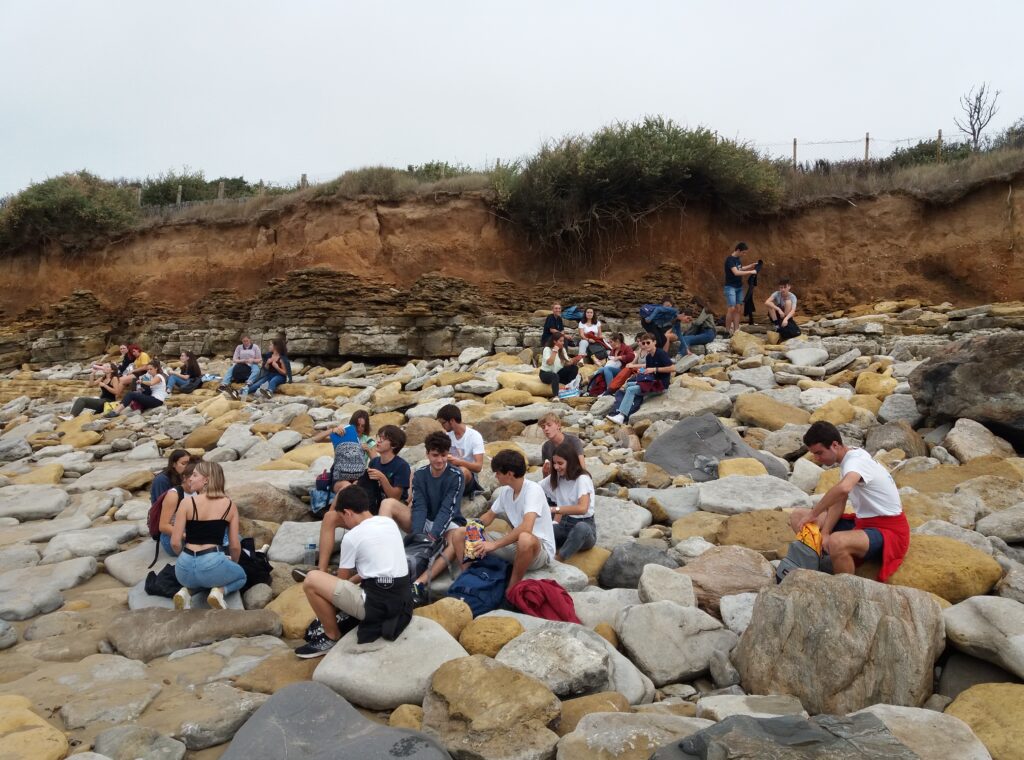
point(303, 182)
point(867, 145)
point(138, 196)
point(938, 147)
point(794, 154)
point(178, 202)
point(220, 191)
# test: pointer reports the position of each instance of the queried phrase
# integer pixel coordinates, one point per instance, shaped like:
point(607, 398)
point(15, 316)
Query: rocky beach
point(688, 647)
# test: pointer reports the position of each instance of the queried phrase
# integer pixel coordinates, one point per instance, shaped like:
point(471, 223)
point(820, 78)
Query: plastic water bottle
point(309, 558)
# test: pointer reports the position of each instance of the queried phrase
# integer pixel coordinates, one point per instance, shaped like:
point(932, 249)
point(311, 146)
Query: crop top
point(205, 531)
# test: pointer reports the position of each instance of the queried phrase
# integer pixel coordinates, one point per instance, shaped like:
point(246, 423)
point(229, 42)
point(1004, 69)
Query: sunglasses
point(647, 343)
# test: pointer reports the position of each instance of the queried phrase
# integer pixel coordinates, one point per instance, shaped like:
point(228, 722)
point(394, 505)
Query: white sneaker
point(183, 599)
point(618, 419)
point(216, 598)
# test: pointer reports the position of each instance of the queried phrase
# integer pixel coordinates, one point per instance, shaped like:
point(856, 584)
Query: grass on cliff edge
point(571, 193)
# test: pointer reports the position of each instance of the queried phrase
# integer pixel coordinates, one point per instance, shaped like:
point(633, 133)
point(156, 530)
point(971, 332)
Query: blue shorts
point(875, 539)
point(733, 295)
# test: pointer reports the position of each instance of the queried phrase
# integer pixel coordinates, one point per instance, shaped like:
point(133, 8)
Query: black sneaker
point(314, 630)
point(419, 594)
point(318, 647)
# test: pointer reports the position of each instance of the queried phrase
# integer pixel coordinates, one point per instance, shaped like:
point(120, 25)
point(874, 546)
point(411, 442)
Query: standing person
point(699, 330)
point(591, 338)
point(748, 298)
point(188, 378)
point(735, 271)
point(556, 368)
point(152, 395)
point(781, 308)
point(656, 370)
point(553, 326)
point(372, 585)
point(277, 370)
point(879, 530)
point(467, 452)
point(246, 364)
point(530, 545)
point(621, 355)
point(197, 540)
point(571, 488)
point(551, 426)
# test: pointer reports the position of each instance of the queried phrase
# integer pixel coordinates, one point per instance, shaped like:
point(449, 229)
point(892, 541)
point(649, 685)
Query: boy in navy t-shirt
point(655, 372)
point(388, 470)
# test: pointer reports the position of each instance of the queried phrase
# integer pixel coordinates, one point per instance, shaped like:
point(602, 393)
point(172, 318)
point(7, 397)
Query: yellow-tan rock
point(763, 411)
point(740, 466)
point(451, 614)
point(407, 716)
point(838, 411)
point(993, 711)
point(46, 474)
point(590, 561)
point(310, 453)
point(703, 524)
point(766, 531)
point(602, 702)
point(26, 736)
point(487, 635)
point(875, 384)
point(293, 608)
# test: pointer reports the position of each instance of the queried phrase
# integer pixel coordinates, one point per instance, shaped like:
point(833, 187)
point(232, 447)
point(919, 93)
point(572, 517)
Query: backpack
point(153, 518)
point(164, 584)
point(656, 314)
point(420, 552)
point(256, 565)
point(804, 554)
point(598, 385)
point(482, 584)
point(574, 313)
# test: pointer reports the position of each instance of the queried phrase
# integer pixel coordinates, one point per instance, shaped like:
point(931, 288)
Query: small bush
point(75, 210)
point(434, 171)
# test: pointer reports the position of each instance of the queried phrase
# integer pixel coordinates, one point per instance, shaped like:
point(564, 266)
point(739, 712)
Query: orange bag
point(620, 379)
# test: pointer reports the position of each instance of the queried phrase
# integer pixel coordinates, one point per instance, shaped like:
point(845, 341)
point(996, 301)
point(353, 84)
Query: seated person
point(356, 431)
point(197, 540)
point(571, 488)
point(436, 503)
point(107, 382)
point(169, 507)
point(152, 395)
point(781, 308)
point(530, 545)
point(277, 370)
point(390, 476)
point(592, 341)
point(621, 355)
point(878, 529)
point(188, 378)
point(372, 585)
point(551, 426)
point(661, 322)
point(467, 452)
point(133, 366)
point(699, 330)
point(246, 364)
point(553, 325)
point(556, 368)
point(169, 476)
point(656, 370)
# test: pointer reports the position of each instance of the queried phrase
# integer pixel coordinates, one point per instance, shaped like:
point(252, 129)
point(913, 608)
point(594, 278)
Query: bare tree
point(979, 106)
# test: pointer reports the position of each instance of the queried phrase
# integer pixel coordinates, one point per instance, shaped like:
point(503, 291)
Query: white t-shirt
point(876, 495)
point(531, 499)
point(158, 389)
point(374, 549)
point(569, 492)
point(777, 298)
point(590, 331)
point(467, 447)
point(554, 366)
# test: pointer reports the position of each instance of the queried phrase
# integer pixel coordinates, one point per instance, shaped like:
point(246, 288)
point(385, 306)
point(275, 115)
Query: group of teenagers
point(381, 502)
point(141, 382)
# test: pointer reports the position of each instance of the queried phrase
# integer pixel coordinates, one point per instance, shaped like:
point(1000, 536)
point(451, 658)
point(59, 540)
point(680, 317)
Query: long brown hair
point(573, 469)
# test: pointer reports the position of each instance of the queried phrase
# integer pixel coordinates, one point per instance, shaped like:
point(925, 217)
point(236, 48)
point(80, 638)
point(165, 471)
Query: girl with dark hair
point(360, 420)
point(188, 378)
point(152, 395)
point(572, 489)
point(556, 368)
point(277, 370)
point(591, 338)
point(621, 355)
point(171, 475)
point(169, 506)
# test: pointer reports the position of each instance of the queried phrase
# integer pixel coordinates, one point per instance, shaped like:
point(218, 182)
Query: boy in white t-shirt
point(879, 530)
point(372, 585)
point(467, 452)
point(530, 545)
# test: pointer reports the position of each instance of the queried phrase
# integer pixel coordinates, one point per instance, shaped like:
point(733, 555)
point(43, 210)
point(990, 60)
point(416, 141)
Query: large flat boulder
point(747, 493)
point(148, 634)
point(990, 628)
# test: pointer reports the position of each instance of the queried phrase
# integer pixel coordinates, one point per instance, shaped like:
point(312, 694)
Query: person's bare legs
point(527, 548)
point(398, 511)
point(332, 521)
point(319, 590)
point(845, 547)
point(454, 551)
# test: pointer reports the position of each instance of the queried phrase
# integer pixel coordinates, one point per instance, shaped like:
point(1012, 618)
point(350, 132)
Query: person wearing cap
point(735, 271)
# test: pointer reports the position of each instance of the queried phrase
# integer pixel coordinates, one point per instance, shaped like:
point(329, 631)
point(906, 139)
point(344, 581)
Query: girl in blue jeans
point(620, 356)
point(695, 331)
point(276, 371)
point(197, 534)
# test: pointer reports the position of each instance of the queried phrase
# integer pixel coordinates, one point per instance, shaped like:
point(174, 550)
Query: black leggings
point(144, 400)
point(84, 402)
point(564, 376)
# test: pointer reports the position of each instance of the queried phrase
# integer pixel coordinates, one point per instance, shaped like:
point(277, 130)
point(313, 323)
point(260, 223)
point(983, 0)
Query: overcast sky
point(270, 90)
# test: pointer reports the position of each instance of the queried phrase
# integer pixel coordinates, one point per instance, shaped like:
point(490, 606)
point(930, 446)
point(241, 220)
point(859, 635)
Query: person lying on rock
point(571, 489)
point(467, 452)
point(435, 510)
point(530, 545)
point(197, 536)
point(245, 365)
point(655, 373)
point(372, 585)
point(355, 432)
point(878, 530)
point(551, 426)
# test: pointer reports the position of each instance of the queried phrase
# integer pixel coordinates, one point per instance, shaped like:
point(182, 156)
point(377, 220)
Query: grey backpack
point(799, 557)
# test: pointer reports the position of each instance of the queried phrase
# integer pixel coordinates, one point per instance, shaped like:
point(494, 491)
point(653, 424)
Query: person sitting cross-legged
point(530, 545)
point(436, 503)
point(572, 489)
point(372, 585)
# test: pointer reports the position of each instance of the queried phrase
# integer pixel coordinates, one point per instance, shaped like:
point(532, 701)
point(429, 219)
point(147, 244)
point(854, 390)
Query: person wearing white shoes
point(202, 564)
point(654, 367)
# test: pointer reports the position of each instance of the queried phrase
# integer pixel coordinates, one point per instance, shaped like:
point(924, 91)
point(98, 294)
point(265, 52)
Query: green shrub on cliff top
point(582, 186)
point(74, 210)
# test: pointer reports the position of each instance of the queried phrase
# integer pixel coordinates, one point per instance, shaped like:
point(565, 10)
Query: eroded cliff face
point(429, 271)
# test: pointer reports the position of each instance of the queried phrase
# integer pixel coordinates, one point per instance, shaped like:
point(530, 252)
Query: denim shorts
point(733, 295)
point(875, 540)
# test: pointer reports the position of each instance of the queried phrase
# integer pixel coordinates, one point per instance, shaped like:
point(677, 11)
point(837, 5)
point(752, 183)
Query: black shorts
point(875, 539)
